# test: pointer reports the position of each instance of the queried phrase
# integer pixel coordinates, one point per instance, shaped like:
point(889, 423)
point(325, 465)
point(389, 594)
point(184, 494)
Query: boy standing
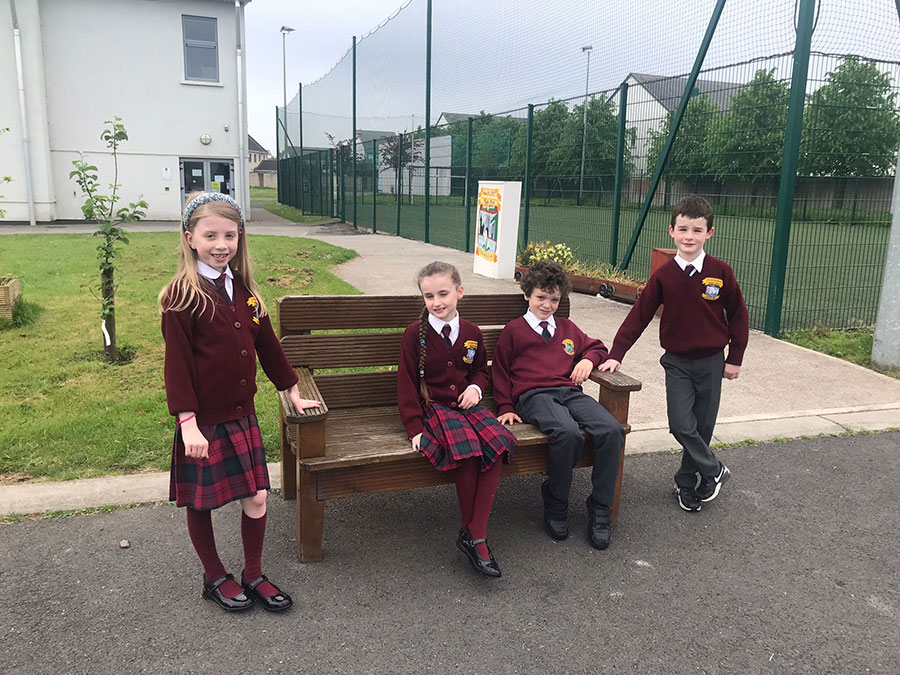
point(540, 363)
point(704, 312)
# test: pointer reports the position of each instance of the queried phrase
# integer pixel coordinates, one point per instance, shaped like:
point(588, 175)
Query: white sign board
point(497, 229)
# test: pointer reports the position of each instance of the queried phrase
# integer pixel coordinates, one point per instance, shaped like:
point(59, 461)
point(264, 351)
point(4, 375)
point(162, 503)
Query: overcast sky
point(323, 30)
point(497, 55)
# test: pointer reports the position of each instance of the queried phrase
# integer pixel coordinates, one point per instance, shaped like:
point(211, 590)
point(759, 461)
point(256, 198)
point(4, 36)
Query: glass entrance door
point(208, 175)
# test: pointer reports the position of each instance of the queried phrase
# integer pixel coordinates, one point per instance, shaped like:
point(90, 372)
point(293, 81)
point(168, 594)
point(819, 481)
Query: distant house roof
point(267, 165)
point(369, 135)
point(254, 145)
point(668, 90)
point(450, 118)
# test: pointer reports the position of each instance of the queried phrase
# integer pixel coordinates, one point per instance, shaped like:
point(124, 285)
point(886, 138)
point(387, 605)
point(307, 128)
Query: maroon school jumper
point(210, 368)
point(524, 360)
point(704, 313)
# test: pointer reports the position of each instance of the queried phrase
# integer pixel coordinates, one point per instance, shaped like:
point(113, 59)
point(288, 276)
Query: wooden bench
point(356, 443)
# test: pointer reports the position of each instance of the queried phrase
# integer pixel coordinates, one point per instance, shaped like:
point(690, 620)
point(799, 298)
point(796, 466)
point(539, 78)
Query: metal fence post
point(528, 144)
point(427, 119)
point(300, 115)
point(341, 210)
point(277, 159)
point(790, 158)
point(467, 196)
point(673, 131)
point(374, 184)
point(620, 168)
point(399, 178)
point(353, 158)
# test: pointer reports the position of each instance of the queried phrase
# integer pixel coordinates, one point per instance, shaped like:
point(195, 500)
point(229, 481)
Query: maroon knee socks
point(253, 532)
point(200, 530)
point(476, 490)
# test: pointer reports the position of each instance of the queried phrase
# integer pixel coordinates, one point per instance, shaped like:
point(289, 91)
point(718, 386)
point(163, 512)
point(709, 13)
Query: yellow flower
point(254, 320)
point(252, 302)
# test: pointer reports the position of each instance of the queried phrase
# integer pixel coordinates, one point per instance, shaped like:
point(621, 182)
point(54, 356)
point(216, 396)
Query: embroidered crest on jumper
point(712, 286)
point(569, 346)
point(471, 346)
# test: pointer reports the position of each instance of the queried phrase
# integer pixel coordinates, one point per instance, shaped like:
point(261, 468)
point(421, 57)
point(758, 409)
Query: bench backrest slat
point(303, 313)
point(353, 350)
point(302, 321)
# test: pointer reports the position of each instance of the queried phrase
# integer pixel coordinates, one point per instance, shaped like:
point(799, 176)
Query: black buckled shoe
point(556, 514)
point(273, 603)
point(488, 567)
point(599, 524)
point(212, 591)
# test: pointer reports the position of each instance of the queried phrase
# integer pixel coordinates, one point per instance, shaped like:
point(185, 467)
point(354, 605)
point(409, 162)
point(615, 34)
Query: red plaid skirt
point(451, 435)
point(235, 468)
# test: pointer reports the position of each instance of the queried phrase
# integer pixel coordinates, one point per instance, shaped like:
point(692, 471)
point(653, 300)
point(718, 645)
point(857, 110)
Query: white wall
point(126, 58)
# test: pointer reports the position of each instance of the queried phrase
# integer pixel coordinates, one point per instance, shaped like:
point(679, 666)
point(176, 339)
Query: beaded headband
point(206, 198)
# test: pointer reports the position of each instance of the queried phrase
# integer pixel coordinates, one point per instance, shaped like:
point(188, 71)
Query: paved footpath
point(792, 570)
point(784, 391)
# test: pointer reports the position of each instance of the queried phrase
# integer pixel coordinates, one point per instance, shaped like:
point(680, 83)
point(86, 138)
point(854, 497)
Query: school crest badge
point(471, 347)
point(712, 287)
point(568, 346)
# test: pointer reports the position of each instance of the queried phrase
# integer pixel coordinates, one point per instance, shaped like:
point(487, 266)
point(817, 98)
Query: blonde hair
point(430, 270)
point(184, 290)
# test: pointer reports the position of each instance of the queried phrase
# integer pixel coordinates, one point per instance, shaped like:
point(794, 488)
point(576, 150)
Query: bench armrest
point(308, 389)
point(617, 381)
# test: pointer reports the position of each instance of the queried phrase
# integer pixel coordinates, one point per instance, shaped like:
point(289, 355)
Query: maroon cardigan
point(210, 364)
point(447, 372)
point(704, 313)
point(523, 360)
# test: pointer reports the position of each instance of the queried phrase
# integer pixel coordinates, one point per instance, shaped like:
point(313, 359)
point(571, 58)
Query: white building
point(173, 70)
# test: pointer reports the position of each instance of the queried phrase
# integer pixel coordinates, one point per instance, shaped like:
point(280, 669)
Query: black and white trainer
point(710, 485)
point(687, 498)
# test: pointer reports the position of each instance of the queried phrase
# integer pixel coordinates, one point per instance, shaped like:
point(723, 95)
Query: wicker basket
point(9, 293)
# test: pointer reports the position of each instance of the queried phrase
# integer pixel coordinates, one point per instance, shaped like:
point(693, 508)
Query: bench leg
point(288, 466)
point(310, 519)
point(616, 402)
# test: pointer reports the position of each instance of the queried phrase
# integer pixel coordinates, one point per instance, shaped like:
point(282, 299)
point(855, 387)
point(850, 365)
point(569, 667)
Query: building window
point(201, 51)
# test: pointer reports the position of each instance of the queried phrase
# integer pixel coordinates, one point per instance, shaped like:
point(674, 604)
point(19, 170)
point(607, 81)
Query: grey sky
point(323, 32)
point(497, 55)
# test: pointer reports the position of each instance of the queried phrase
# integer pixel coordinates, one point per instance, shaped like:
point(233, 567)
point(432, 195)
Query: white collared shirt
point(438, 326)
point(696, 262)
point(535, 323)
point(212, 274)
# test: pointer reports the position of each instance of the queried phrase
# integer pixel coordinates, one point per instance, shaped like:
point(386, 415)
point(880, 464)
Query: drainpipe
point(26, 143)
point(242, 132)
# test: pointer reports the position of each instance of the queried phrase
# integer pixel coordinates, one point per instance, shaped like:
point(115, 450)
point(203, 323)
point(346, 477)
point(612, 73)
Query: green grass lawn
point(854, 346)
point(264, 194)
point(66, 413)
point(834, 270)
point(295, 215)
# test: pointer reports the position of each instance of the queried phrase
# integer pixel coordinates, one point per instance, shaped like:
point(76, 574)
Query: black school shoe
point(599, 524)
point(467, 545)
point(556, 514)
point(710, 485)
point(212, 591)
point(687, 498)
point(274, 603)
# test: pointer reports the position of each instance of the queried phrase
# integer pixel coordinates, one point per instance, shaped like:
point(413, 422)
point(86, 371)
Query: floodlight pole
point(587, 79)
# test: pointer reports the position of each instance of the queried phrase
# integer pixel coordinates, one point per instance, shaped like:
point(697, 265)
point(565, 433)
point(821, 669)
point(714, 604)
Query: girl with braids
point(215, 323)
point(440, 380)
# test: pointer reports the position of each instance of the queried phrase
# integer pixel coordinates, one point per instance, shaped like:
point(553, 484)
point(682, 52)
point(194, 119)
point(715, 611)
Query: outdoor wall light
point(206, 139)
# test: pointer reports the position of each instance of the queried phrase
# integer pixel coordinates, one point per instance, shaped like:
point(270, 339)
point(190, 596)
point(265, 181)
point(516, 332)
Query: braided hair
point(430, 270)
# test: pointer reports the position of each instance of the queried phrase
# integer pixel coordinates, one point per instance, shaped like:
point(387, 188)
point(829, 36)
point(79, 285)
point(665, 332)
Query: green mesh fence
point(505, 55)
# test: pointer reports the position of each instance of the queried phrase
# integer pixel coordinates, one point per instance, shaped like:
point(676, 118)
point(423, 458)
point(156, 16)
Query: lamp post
point(587, 79)
point(284, 31)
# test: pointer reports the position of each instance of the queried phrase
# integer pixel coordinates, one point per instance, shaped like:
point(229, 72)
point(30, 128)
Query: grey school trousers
point(559, 412)
point(693, 390)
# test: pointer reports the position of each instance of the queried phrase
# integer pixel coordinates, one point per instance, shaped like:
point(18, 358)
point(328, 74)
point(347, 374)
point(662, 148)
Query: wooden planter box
point(624, 291)
point(9, 293)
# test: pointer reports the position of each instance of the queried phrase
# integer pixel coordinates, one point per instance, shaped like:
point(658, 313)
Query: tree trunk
point(108, 291)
